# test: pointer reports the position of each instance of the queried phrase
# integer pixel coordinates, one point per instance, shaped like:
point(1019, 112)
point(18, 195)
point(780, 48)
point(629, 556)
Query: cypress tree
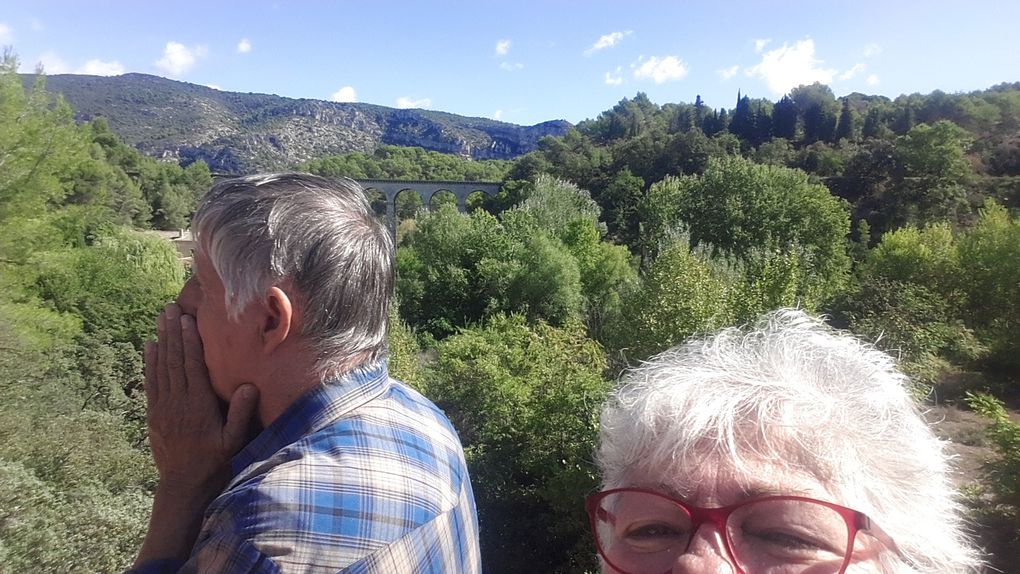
point(784, 119)
point(872, 124)
point(845, 126)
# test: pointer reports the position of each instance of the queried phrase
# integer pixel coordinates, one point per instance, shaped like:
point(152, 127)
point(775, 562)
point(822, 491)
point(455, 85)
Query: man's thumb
point(240, 416)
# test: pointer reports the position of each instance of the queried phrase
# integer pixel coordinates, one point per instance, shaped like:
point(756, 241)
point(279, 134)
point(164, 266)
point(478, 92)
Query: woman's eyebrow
point(678, 492)
point(759, 491)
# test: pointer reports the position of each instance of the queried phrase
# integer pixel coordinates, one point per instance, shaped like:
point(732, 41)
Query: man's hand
point(192, 441)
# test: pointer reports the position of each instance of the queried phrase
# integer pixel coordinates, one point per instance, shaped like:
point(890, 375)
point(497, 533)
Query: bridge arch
point(390, 188)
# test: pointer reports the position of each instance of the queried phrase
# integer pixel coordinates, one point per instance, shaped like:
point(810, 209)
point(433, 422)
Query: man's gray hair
point(314, 235)
point(791, 389)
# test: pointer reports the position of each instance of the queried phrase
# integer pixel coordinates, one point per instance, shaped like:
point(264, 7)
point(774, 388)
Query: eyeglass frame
point(855, 520)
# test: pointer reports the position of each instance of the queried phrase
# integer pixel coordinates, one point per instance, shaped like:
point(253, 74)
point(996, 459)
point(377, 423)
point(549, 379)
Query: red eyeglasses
point(641, 531)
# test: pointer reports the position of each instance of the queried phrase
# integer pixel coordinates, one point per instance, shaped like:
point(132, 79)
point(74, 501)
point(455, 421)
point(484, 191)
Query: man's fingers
point(193, 356)
point(174, 348)
point(162, 375)
point(240, 417)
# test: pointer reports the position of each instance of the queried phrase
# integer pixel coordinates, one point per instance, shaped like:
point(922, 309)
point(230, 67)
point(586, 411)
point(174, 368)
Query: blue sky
point(527, 61)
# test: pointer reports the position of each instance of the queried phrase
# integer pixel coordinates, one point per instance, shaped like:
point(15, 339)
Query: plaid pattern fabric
point(362, 475)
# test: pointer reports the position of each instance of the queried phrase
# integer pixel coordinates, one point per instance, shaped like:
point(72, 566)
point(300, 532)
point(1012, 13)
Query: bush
point(1001, 473)
point(525, 400)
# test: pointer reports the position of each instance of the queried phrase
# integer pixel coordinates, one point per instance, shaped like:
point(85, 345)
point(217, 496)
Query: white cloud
point(244, 46)
point(101, 68)
point(502, 47)
point(215, 87)
point(727, 73)
point(497, 115)
point(854, 71)
point(660, 70)
point(790, 66)
point(760, 43)
point(872, 80)
point(6, 34)
point(872, 49)
point(607, 41)
point(178, 59)
point(36, 24)
point(614, 78)
point(511, 67)
point(53, 64)
point(405, 102)
point(344, 94)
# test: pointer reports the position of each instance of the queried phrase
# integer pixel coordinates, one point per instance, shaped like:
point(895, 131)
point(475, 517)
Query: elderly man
point(283, 325)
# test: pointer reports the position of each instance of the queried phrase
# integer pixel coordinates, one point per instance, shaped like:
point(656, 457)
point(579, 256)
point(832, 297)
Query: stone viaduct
point(391, 188)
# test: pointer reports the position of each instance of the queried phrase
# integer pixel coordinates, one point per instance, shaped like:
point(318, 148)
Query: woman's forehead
point(717, 481)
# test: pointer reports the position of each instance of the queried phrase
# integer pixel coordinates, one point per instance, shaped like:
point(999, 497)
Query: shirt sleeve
point(446, 544)
point(157, 567)
point(229, 556)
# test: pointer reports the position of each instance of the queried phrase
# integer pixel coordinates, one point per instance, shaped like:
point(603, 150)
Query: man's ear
point(277, 319)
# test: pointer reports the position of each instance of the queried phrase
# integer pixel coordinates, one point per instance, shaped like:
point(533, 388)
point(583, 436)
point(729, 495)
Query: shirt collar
point(314, 410)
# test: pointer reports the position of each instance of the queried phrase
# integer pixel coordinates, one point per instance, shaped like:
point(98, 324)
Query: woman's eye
point(786, 540)
point(789, 545)
point(653, 538)
point(654, 531)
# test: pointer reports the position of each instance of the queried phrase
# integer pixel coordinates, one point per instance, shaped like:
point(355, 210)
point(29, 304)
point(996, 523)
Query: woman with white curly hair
point(789, 448)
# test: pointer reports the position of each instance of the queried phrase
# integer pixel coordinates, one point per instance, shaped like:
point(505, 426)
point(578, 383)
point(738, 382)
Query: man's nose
point(706, 554)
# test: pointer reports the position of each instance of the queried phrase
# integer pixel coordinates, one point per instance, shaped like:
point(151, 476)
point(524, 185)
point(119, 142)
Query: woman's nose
point(706, 554)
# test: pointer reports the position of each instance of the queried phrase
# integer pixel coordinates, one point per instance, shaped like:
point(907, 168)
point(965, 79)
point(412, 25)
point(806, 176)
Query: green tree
point(55, 501)
point(931, 171)
point(738, 207)
point(816, 106)
point(116, 286)
point(872, 124)
point(457, 269)
point(846, 126)
point(682, 293)
point(784, 119)
point(989, 256)
point(525, 400)
point(621, 201)
point(553, 204)
point(742, 123)
point(1003, 511)
point(608, 278)
point(39, 145)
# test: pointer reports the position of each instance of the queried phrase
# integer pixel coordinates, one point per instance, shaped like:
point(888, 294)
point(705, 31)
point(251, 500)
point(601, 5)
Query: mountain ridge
point(243, 132)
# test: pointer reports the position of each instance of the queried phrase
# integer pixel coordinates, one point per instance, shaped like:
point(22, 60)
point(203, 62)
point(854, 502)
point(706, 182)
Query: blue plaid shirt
point(360, 475)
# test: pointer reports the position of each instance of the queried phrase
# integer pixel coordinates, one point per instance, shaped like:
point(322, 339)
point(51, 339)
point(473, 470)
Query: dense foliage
point(524, 399)
point(392, 162)
point(630, 233)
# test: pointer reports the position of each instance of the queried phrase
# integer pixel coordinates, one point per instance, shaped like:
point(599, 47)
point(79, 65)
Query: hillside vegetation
point(650, 223)
point(239, 133)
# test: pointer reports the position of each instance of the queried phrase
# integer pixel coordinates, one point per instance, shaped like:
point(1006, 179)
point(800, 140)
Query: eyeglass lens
point(641, 533)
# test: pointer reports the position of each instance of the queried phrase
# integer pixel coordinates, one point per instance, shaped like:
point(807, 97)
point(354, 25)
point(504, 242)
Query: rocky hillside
point(244, 132)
